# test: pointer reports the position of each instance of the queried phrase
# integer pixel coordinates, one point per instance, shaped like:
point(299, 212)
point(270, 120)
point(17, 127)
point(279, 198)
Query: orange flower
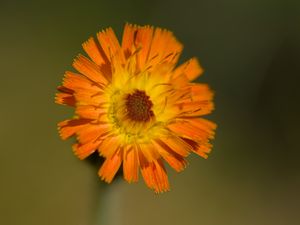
point(135, 107)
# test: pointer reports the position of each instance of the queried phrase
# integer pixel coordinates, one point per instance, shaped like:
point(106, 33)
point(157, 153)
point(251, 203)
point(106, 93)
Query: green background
point(250, 50)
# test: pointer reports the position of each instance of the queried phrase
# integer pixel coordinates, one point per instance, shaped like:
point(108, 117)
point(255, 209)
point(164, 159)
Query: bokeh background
point(250, 50)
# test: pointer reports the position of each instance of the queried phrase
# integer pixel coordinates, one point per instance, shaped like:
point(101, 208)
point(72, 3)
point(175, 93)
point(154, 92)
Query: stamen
point(138, 106)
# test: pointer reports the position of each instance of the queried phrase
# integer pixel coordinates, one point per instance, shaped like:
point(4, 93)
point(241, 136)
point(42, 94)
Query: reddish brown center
point(138, 106)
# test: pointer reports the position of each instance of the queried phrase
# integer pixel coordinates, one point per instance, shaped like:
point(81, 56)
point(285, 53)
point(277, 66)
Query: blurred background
point(250, 50)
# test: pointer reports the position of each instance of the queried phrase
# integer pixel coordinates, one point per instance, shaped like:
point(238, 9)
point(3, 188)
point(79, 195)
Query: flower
point(135, 107)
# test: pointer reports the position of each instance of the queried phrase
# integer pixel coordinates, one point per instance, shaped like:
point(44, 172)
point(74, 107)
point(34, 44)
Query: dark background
point(250, 50)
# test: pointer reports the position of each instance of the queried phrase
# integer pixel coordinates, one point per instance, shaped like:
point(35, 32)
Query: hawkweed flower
point(135, 107)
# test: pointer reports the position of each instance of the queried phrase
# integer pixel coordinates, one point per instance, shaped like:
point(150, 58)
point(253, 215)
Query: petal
point(164, 48)
point(92, 132)
point(90, 111)
point(207, 124)
point(77, 82)
point(84, 150)
point(130, 164)
point(94, 51)
point(192, 143)
point(190, 93)
point(129, 34)
point(88, 98)
point(68, 128)
point(65, 99)
point(205, 127)
point(143, 40)
point(110, 167)
point(201, 92)
point(154, 174)
point(109, 145)
point(176, 161)
point(90, 70)
point(203, 149)
point(175, 144)
point(192, 129)
point(200, 148)
point(149, 151)
point(191, 69)
point(110, 45)
point(192, 109)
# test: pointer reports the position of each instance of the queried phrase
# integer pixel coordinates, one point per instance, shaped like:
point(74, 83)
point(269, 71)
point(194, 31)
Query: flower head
point(135, 107)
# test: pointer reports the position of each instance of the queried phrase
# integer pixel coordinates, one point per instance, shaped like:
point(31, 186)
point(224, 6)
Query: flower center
point(138, 106)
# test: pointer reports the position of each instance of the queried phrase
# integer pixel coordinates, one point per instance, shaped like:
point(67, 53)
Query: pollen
point(139, 106)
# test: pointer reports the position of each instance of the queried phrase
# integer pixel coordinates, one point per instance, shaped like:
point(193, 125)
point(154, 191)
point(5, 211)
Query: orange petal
point(110, 45)
point(130, 164)
point(142, 42)
point(89, 69)
point(64, 89)
point(78, 82)
point(192, 109)
point(87, 98)
point(191, 69)
point(179, 82)
point(209, 125)
point(203, 149)
point(149, 151)
point(110, 167)
point(175, 144)
point(176, 161)
point(90, 112)
point(84, 150)
point(188, 92)
point(205, 127)
point(129, 34)
point(85, 91)
point(109, 145)
point(164, 48)
point(94, 51)
point(92, 132)
point(68, 128)
point(201, 92)
point(191, 128)
point(65, 99)
point(154, 174)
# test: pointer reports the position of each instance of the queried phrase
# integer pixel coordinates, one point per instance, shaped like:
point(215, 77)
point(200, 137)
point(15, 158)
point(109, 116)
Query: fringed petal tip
point(65, 96)
point(110, 167)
